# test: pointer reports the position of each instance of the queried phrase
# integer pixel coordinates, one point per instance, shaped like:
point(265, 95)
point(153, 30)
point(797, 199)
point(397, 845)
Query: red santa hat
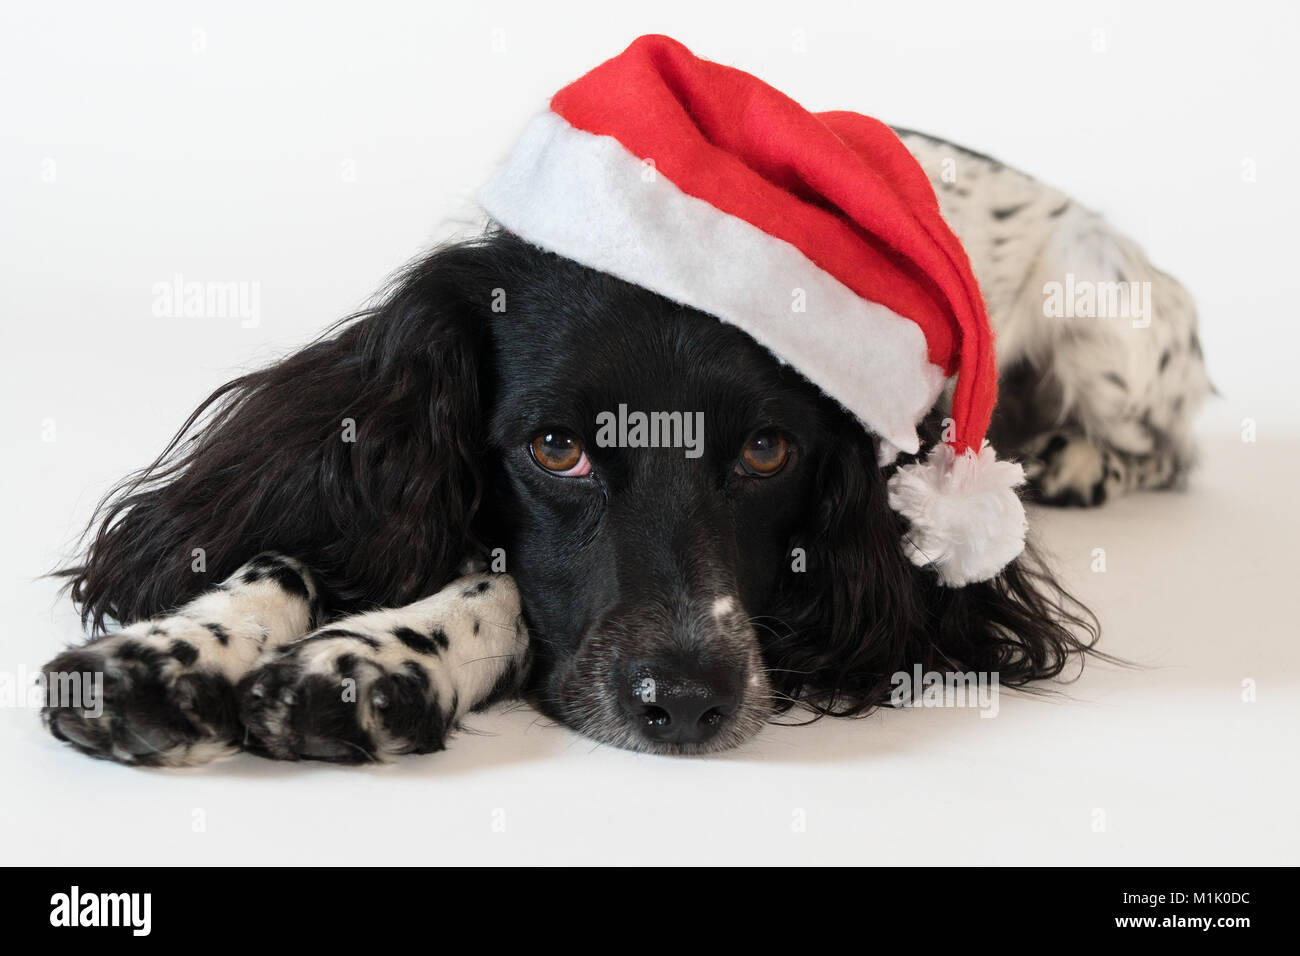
point(818, 234)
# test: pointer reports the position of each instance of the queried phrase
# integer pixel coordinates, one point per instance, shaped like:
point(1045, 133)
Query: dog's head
point(700, 537)
point(653, 469)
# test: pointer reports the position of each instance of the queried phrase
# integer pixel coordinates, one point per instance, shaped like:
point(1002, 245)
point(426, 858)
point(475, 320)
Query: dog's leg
point(383, 683)
point(1113, 396)
point(1065, 467)
point(162, 692)
point(1101, 367)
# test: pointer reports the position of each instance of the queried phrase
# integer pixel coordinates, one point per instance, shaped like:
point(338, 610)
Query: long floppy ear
point(862, 612)
point(357, 455)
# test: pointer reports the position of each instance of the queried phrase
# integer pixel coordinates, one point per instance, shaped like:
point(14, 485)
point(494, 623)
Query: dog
point(340, 556)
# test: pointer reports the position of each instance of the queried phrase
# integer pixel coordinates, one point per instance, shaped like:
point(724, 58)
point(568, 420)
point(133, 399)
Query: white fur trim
point(967, 522)
point(589, 199)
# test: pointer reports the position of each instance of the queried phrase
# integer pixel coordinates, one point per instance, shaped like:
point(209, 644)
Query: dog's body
point(1099, 404)
point(654, 599)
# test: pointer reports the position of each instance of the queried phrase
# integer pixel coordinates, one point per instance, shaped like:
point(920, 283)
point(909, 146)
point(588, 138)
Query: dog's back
point(1101, 368)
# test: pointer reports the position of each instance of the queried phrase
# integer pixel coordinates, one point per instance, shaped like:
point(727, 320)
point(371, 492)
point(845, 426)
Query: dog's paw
point(143, 696)
point(162, 692)
point(1066, 469)
point(386, 683)
point(335, 697)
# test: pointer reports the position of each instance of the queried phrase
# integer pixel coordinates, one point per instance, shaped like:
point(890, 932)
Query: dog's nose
point(679, 702)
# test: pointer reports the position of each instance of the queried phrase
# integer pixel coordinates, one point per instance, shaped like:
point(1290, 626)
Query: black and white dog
point(349, 606)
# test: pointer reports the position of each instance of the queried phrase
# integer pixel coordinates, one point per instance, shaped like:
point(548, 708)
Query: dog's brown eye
point(764, 454)
point(561, 453)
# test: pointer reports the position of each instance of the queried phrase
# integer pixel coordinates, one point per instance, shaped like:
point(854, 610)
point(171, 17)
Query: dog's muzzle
point(684, 681)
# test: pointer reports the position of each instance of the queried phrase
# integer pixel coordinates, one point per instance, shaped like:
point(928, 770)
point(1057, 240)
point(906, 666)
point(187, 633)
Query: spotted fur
point(389, 682)
point(1097, 406)
point(241, 667)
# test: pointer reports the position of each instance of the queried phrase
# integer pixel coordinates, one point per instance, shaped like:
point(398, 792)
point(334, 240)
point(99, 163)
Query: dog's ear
point(861, 612)
point(358, 455)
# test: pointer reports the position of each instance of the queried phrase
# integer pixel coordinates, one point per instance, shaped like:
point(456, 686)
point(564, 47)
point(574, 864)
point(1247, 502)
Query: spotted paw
point(162, 692)
point(376, 685)
point(1066, 469)
point(141, 697)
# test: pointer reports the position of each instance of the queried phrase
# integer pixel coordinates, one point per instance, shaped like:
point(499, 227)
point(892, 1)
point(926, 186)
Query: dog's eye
point(764, 454)
point(561, 454)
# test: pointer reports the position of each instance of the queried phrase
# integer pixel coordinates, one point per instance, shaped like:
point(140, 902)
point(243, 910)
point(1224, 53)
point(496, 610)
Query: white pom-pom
point(967, 523)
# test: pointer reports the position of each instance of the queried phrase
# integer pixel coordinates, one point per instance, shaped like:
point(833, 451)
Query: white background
point(312, 148)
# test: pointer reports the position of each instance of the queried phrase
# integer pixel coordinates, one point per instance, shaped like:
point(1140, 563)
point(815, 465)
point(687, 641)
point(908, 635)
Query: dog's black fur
point(616, 569)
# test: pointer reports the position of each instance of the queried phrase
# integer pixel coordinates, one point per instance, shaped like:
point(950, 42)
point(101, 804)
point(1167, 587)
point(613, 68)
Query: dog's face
point(646, 571)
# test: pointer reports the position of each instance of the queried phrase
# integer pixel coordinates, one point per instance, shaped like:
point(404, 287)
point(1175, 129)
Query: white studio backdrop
point(311, 148)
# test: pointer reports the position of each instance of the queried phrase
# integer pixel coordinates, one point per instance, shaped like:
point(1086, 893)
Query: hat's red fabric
point(838, 186)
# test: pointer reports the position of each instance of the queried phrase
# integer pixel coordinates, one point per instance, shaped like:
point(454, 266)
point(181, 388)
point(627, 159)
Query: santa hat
point(818, 234)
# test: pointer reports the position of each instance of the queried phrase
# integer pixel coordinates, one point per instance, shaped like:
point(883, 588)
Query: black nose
point(679, 702)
